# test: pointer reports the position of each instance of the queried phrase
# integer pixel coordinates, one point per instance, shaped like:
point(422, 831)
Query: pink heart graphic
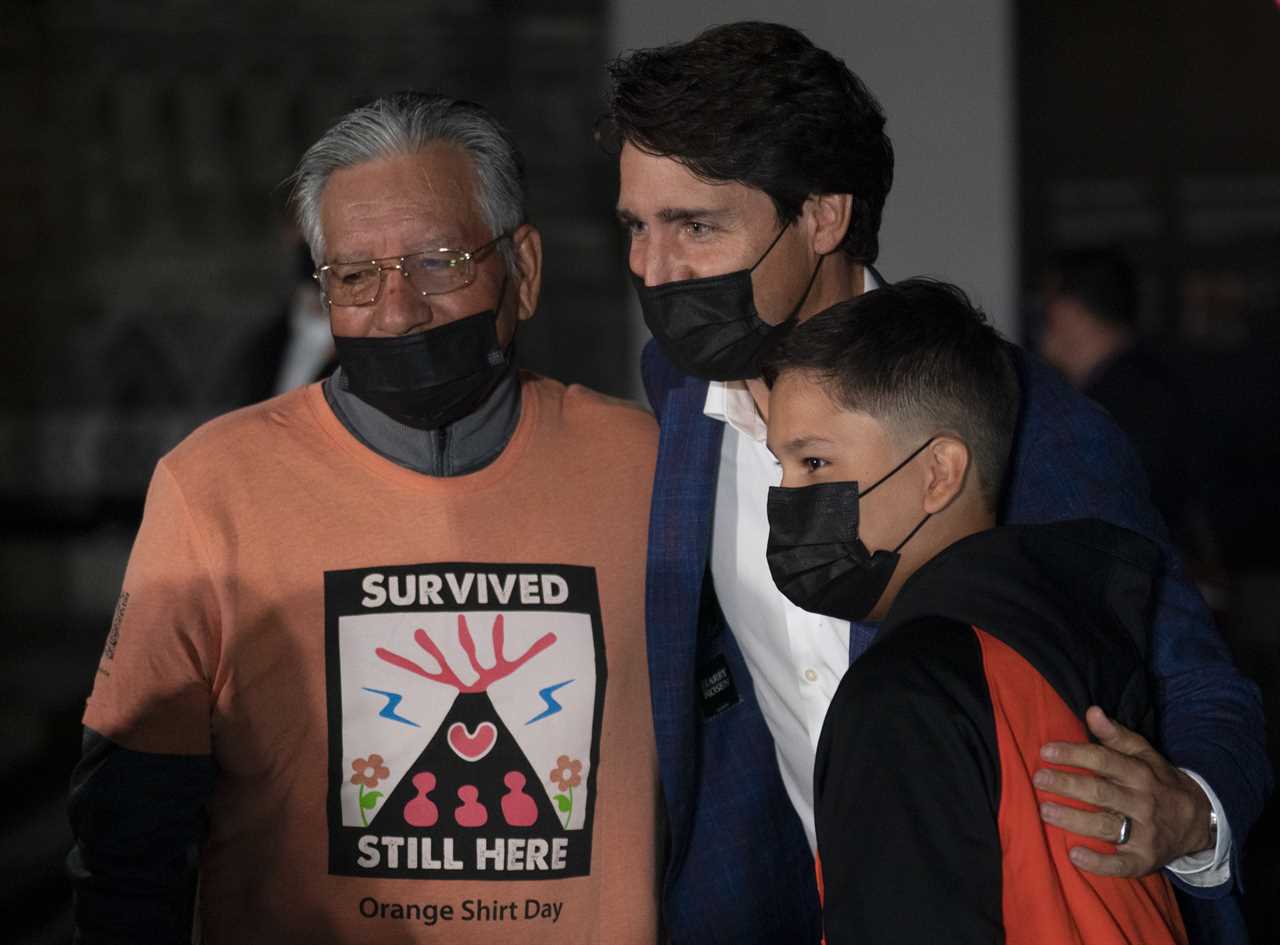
point(472, 746)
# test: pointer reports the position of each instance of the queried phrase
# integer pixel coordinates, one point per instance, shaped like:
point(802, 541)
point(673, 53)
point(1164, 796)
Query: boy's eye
point(813, 463)
point(694, 228)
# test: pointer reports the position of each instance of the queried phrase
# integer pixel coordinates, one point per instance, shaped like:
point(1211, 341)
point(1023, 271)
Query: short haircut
point(759, 104)
point(1099, 279)
point(920, 359)
point(407, 123)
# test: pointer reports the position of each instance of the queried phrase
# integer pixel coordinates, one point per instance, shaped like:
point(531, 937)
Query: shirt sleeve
point(138, 794)
point(154, 687)
point(1071, 461)
point(907, 795)
point(138, 819)
point(1211, 867)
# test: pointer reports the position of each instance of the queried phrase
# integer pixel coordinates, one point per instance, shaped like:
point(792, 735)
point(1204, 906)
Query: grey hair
point(406, 123)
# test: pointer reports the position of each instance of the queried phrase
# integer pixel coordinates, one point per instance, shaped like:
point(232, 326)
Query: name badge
point(715, 686)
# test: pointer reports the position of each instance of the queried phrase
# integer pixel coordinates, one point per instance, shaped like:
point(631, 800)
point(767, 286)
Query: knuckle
point(1064, 785)
point(1105, 755)
point(1091, 756)
point(1078, 821)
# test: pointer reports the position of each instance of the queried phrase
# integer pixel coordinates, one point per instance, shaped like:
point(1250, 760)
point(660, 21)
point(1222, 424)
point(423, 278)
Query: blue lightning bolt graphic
point(389, 710)
point(552, 706)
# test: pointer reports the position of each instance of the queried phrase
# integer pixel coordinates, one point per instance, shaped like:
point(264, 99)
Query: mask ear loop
point(509, 351)
point(771, 246)
point(911, 534)
point(928, 515)
point(914, 453)
point(812, 276)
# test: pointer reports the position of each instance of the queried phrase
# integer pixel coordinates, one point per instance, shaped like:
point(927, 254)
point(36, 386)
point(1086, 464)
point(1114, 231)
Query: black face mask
point(428, 379)
point(815, 555)
point(709, 327)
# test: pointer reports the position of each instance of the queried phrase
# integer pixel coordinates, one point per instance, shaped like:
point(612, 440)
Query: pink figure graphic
point(518, 808)
point(471, 813)
point(420, 812)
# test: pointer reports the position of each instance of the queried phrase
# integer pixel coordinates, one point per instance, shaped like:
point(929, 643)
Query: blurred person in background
point(753, 171)
point(296, 346)
point(1090, 334)
point(356, 679)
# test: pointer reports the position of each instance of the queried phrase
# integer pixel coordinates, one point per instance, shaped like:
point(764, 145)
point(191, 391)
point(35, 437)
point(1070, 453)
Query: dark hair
point(918, 357)
point(1101, 280)
point(759, 104)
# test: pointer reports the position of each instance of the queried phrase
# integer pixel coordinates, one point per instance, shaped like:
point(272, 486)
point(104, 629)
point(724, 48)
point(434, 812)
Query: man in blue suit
point(754, 167)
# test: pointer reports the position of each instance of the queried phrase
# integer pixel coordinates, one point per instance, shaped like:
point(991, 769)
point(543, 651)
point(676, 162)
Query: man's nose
point(650, 259)
point(401, 308)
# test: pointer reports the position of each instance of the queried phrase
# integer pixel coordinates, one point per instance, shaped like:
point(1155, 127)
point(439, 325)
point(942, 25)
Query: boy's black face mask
point(815, 555)
point(709, 327)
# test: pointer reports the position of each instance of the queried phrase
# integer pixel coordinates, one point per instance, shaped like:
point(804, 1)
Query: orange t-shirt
point(427, 698)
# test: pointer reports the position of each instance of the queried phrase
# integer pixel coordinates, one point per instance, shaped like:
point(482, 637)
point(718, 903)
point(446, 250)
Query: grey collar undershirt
point(462, 447)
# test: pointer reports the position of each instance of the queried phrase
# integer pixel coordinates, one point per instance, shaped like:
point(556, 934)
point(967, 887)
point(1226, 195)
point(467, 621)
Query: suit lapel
point(679, 545)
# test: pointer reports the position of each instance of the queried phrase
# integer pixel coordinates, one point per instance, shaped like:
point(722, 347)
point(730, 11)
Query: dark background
point(146, 248)
point(1153, 128)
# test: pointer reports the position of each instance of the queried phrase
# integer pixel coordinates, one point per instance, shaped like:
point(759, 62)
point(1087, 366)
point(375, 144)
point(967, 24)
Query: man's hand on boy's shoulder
point(1168, 811)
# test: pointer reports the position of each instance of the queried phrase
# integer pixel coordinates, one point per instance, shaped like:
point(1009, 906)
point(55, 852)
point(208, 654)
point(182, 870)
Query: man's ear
point(830, 216)
point(528, 247)
point(947, 463)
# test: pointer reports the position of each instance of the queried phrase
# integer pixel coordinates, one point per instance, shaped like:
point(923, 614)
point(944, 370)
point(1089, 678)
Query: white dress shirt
point(795, 672)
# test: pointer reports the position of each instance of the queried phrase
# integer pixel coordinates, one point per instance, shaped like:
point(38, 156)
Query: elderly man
point(378, 666)
point(754, 168)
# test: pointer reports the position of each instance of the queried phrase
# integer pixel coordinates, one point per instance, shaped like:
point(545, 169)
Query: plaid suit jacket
point(739, 868)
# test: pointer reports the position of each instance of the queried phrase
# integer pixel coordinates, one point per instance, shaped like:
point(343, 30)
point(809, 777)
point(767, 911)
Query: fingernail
point(1049, 752)
point(1076, 855)
point(1042, 779)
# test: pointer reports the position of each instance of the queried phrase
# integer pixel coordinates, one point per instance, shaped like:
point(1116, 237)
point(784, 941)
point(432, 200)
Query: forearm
point(137, 819)
point(1222, 742)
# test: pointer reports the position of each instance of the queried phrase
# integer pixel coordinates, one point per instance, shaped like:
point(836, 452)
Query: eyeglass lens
point(433, 273)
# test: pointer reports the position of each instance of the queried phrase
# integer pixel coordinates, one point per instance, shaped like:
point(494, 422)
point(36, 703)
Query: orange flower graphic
point(567, 773)
point(369, 771)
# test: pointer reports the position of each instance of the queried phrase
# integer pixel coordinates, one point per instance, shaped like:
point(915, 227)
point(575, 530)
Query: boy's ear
point(947, 464)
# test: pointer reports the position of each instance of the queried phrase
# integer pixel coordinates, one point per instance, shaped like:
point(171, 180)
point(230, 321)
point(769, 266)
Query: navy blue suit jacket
point(739, 868)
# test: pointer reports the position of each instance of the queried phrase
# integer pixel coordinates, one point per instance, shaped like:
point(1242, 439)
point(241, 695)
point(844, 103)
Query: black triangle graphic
point(489, 775)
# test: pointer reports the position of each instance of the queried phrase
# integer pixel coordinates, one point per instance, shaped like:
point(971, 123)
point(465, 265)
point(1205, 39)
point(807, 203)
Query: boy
point(994, 641)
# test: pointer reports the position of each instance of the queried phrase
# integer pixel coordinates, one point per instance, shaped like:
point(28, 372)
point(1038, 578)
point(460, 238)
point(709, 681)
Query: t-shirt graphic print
point(464, 720)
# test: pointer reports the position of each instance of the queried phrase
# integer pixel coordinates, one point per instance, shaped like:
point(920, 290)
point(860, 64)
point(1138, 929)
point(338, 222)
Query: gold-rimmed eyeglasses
point(430, 272)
